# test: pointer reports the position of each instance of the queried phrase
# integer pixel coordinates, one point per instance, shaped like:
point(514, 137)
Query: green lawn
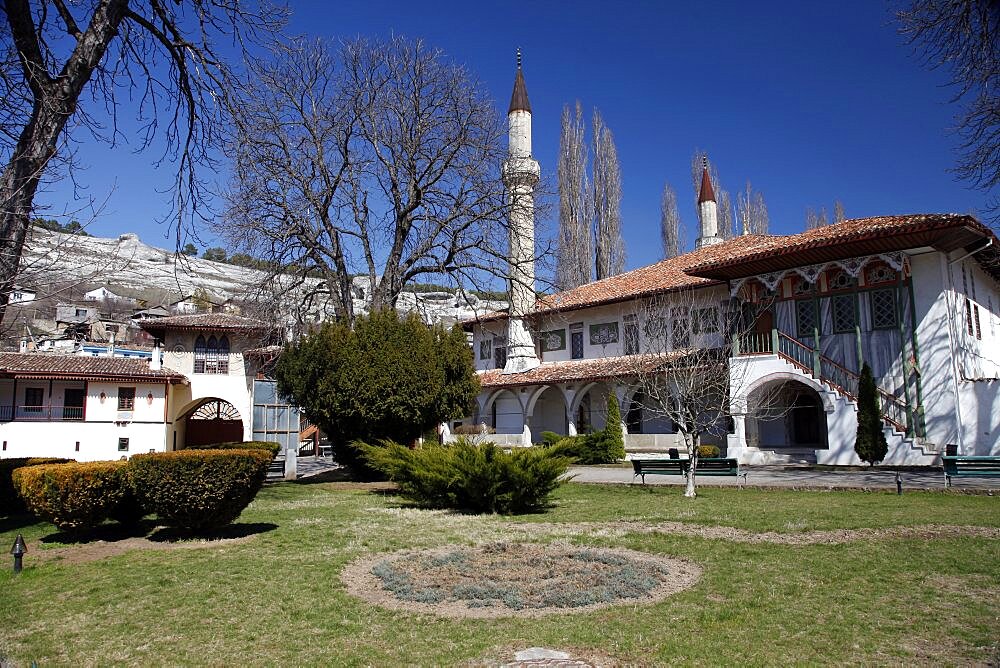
point(276, 597)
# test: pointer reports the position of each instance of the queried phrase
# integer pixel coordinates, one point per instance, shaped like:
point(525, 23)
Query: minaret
point(707, 211)
point(520, 175)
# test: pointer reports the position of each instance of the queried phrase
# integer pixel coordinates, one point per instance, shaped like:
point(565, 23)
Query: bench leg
point(947, 480)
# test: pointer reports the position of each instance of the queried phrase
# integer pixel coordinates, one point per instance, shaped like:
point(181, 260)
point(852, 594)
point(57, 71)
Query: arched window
point(224, 355)
point(211, 356)
point(200, 354)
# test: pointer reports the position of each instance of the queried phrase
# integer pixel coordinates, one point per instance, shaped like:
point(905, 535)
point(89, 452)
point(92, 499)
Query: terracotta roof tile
point(719, 262)
point(577, 370)
point(45, 365)
point(838, 235)
point(214, 321)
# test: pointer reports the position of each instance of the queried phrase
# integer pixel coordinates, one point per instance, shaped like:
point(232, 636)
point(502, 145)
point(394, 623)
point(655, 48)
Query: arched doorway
point(213, 421)
point(548, 413)
point(786, 415)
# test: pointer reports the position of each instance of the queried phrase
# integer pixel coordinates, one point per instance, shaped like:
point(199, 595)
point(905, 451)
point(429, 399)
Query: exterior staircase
point(842, 381)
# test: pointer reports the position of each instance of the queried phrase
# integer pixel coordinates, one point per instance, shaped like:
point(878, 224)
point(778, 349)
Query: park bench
point(961, 467)
point(706, 466)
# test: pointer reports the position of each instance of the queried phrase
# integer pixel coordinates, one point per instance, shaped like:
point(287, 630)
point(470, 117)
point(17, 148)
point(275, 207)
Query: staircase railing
point(839, 378)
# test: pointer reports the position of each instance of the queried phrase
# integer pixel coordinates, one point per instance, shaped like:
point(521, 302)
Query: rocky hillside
point(129, 267)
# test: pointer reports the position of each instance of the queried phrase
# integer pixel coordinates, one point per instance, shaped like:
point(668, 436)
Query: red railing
point(826, 371)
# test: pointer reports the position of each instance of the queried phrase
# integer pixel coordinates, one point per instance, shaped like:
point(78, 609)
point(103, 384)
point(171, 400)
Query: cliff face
point(129, 267)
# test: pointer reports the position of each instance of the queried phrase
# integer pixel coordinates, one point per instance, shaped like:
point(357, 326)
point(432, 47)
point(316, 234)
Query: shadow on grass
point(109, 532)
point(242, 530)
point(18, 521)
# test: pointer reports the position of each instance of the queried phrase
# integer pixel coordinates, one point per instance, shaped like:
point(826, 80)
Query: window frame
point(895, 308)
point(630, 330)
point(126, 402)
point(851, 299)
point(816, 325)
point(34, 407)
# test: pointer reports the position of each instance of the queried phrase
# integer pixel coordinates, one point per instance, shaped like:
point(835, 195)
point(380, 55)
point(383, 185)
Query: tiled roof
point(212, 321)
point(44, 365)
point(842, 239)
point(578, 370)
point(664, 276)
point(751, 254)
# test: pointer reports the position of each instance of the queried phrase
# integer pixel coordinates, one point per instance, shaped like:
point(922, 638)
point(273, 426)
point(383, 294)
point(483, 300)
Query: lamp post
point(18, 551)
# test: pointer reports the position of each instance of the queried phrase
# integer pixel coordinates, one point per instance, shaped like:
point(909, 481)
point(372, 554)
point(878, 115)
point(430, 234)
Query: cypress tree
point(870, 444)
point(614, 438)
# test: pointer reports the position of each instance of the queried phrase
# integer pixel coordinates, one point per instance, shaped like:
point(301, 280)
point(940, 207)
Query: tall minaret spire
point(520, 175)
point(707, 210)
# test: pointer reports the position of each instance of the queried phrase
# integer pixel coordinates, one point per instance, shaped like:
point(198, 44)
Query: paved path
point(796, 477)
point(305, 466)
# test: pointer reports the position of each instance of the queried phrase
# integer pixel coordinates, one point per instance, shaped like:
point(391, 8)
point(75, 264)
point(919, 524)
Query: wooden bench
point(706, 466)
point(962, 467)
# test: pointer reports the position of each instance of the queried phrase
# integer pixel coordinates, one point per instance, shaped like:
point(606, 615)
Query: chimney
point(154, 361)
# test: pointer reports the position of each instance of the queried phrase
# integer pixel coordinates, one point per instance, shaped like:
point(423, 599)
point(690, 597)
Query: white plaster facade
point(936, 358)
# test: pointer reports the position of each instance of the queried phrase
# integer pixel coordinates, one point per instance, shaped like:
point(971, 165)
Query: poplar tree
point(670, 223)
point(574, 245)
point(609, 245)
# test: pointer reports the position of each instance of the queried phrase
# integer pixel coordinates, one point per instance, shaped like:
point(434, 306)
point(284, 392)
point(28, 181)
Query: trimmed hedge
point(10, 502)
point(74, 496)
point(708, 451)
point(465, 476)
point(270, 446)
point(198, 489)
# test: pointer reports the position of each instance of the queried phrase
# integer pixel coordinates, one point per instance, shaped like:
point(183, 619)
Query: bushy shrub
point(10, 502)
point(473, 430)
point(198, 489)
point(708, 451)
point(466, 476)
point(269, 446)
point(602, 447)
point(74, 496)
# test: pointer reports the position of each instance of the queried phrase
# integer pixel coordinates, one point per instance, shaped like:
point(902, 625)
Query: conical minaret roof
point(519, 98)
point(706, 194)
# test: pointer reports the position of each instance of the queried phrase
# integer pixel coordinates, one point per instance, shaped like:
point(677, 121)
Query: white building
point(916, 297)
point(205, 383)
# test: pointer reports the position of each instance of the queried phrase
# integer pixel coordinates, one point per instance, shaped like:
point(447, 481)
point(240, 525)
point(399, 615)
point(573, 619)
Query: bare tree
point(689, 365)
point(815, 220)
point(575, 209)
point(161, 53)
point(608, 243)
point(753, 211)
point(670, 223)
point(723, 201)
point(838, 212)
point(962, 37)
point(382, 159)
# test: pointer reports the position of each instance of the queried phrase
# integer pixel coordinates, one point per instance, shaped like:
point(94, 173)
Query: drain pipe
point(958, 371)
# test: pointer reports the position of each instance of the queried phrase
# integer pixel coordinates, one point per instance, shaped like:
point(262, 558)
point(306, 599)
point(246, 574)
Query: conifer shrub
point(10, 501)
point(478, 478)
point(198, 489)
point(73, 496)
point(601, 447)
point(870, 443)
point(269, 446)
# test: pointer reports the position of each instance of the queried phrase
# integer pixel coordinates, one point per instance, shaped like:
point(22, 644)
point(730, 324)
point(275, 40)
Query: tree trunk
point(690, 490)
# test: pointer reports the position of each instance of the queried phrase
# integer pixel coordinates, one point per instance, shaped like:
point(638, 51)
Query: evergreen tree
point(870, 445)
point(613, 437)
point(387, 378)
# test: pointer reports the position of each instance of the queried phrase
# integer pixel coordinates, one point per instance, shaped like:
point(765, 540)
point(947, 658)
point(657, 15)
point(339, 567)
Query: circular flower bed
point(515, 579)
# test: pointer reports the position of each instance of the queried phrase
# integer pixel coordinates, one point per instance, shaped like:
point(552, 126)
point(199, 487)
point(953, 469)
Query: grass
point(276, 597)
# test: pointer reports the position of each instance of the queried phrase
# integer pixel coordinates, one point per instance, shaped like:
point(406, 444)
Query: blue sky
point(812, 102)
